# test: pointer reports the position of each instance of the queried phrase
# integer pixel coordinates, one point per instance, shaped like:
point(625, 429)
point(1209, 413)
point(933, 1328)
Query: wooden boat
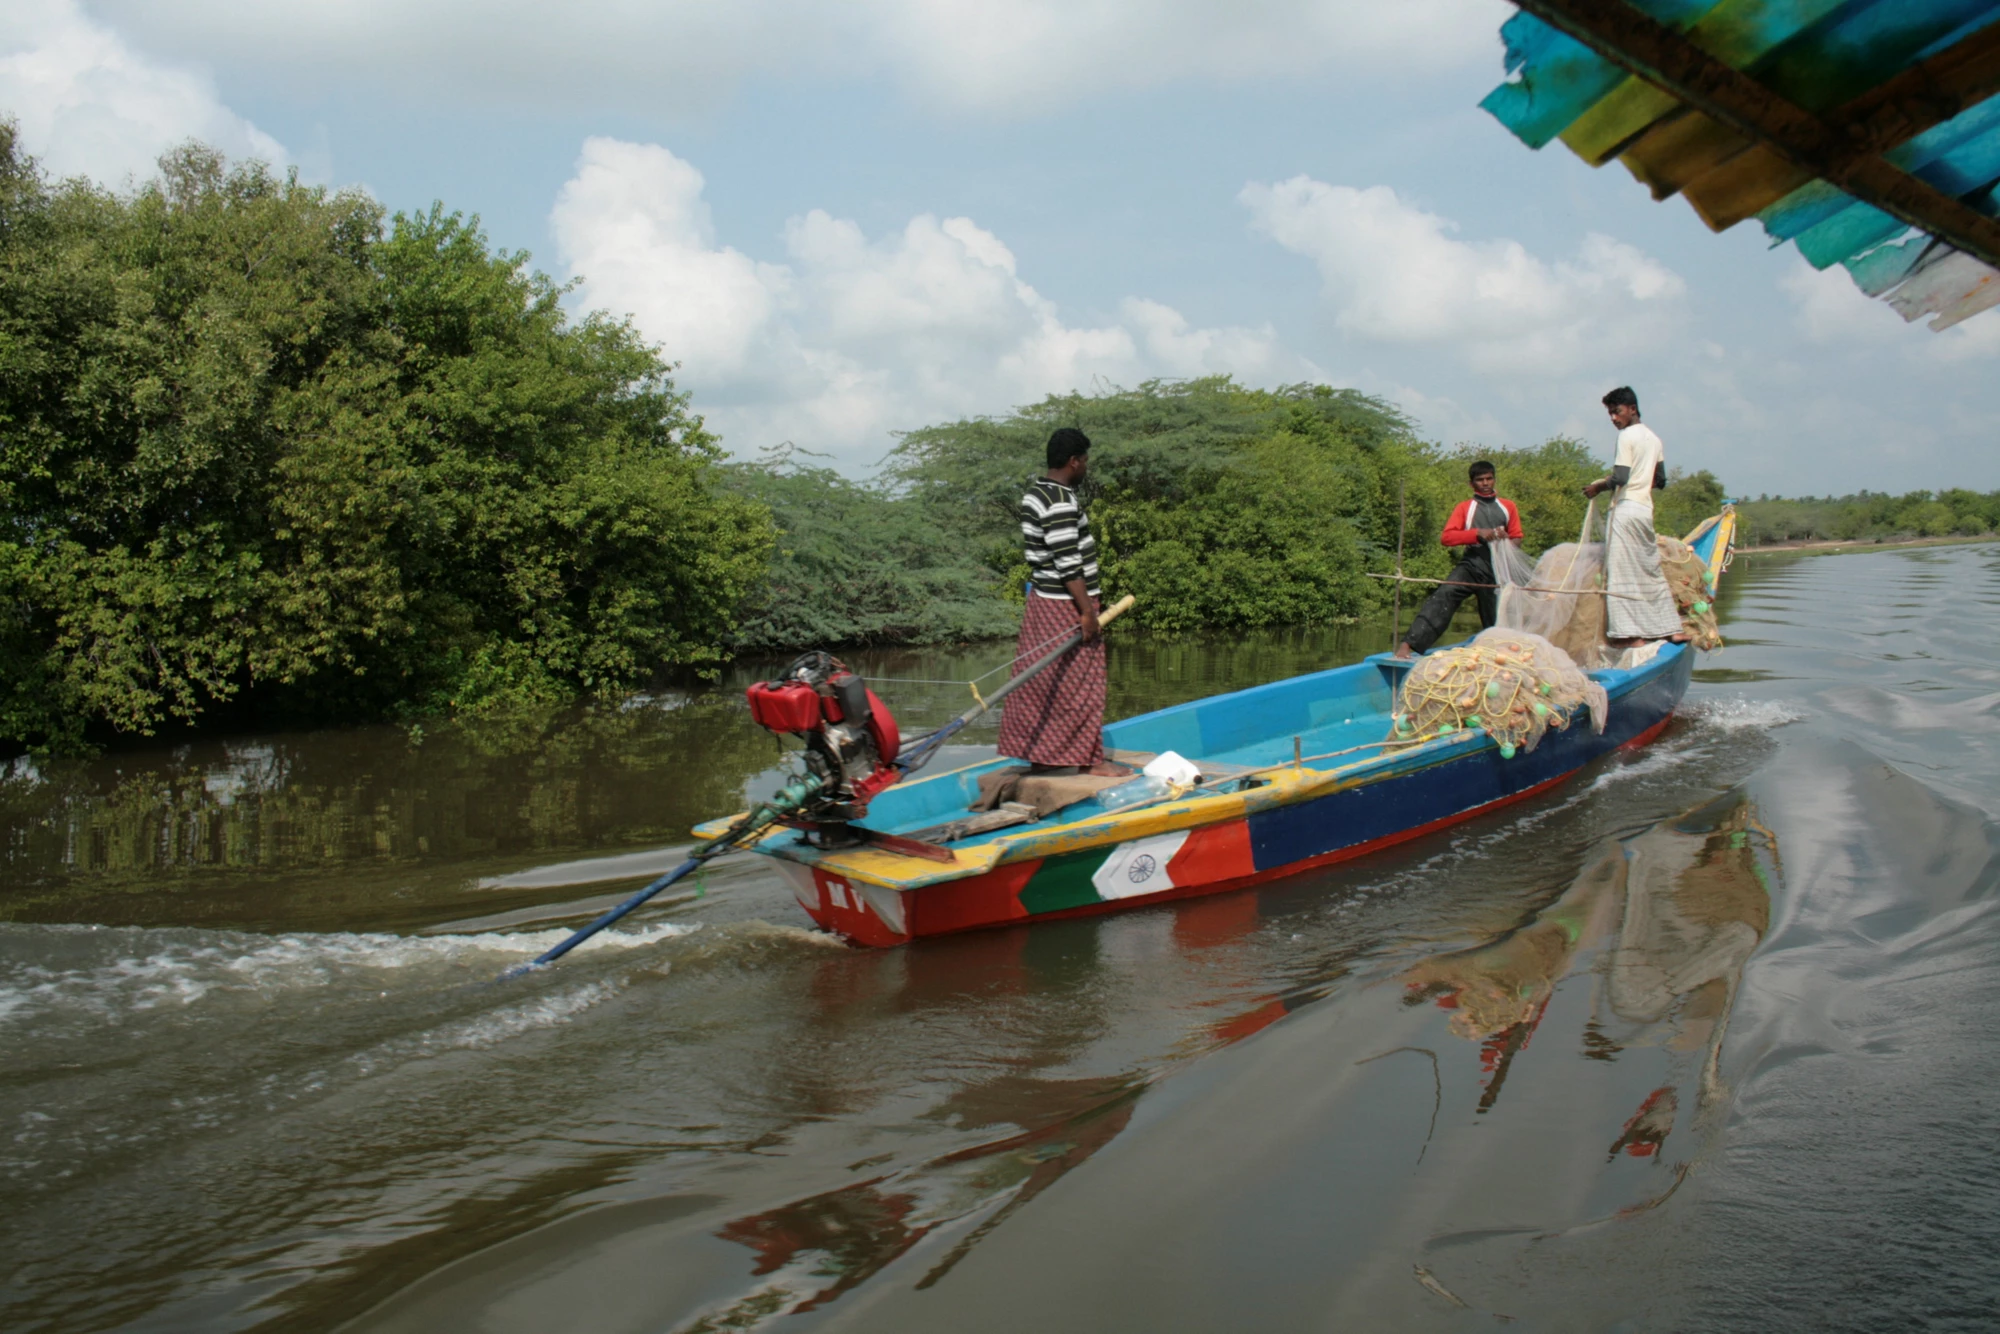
point(1282, 819)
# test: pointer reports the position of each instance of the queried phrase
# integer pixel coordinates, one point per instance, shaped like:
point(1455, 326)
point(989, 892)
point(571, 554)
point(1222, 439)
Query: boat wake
point(108, 971)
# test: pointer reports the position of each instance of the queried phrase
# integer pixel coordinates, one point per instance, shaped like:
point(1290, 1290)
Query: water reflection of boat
point(812, 1251)
point(1665, 923)
point(1278, 819)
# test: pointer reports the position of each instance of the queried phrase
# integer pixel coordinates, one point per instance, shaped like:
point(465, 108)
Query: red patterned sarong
point(1057, 718)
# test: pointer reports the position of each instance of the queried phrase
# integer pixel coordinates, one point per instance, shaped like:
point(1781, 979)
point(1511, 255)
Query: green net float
point(1447, 727)
point(1700, 607)
point(1547, 689)
point(1506, 751)
point(1541, 709)
point(1493, 690)
point(1472, 720)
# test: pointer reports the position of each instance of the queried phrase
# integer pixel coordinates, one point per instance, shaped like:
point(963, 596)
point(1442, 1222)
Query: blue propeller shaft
point(790, 798)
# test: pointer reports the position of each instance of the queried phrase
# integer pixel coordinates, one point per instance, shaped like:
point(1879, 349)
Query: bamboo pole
point(1402, 526)
point(1402, 579)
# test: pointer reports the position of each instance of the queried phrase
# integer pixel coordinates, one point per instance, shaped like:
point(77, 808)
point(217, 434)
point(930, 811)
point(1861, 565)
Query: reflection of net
point(1512, 685)
point(1687, 576)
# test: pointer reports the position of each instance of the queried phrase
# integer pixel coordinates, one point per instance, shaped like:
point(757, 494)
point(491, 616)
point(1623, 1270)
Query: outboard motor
point(850, 737)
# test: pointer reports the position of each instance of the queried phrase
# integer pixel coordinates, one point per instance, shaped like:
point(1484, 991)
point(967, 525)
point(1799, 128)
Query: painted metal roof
point(1865, 132)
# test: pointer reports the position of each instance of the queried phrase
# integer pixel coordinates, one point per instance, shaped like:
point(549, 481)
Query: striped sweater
point(1056, 534)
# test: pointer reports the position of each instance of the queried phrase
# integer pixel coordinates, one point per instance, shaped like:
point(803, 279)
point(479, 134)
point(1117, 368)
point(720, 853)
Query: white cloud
point(1023, 56)
point(1440, 416)
point(852, 337)
point(89, 105)
point(633, 219)
point(1396, 274)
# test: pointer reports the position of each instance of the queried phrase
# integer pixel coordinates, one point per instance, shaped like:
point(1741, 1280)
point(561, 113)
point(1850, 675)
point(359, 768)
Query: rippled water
point(1699, 1040)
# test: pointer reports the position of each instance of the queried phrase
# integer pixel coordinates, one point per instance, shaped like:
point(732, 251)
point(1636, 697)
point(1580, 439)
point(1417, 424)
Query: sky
point(844, 221)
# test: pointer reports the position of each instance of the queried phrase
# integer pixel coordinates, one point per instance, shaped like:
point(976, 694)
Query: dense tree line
point(1868, 515)
point(259, 442)
point(267, 452)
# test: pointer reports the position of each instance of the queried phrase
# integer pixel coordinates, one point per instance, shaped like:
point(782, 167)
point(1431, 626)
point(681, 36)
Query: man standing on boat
point(1478, 521)
point(1056, 720)
point(1640, 606)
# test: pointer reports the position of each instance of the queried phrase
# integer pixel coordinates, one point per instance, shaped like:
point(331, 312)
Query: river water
point(1701, 1040)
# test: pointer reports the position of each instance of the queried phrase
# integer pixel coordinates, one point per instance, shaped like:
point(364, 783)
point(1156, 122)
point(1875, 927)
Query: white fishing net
point(1559, 598)
point(1562, 602)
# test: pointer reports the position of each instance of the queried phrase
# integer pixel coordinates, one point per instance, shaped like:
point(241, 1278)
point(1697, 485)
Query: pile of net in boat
point(1694, 592)
point(1510, 684)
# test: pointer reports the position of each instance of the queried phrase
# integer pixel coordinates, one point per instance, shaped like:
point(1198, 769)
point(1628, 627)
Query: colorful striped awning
point(1865, 132)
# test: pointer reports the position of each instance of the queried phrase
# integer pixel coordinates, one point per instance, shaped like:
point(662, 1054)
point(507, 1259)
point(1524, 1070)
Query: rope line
point(1007, 666)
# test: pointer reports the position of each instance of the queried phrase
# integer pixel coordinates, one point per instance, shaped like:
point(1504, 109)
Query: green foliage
point(855, 564)
point(251, 443)
point(1688, 499)
point(1867, 515)
point(1217, 505)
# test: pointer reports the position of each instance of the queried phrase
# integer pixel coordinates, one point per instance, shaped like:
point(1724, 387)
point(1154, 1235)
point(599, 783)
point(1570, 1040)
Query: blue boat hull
point(1392, 809)
point(1425, 790)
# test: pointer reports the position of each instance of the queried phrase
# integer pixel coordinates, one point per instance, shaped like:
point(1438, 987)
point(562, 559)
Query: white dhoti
point(1632, 568)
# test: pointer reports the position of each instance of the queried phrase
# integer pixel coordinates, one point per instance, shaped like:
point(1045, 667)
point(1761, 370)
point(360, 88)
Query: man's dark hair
point(1478, 470)
point(1066, 444)
point(1622, 397)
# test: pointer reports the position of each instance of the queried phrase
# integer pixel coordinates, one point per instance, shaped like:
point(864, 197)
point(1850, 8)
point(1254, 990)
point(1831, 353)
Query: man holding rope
point(1641, 606)
point(1056, 721)
point(1477, 522)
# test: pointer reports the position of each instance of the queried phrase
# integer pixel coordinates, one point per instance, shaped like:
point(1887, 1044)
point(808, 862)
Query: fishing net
point(1562, 602)
point(1694, 593)
point(1511, 684)
point(1509, 565)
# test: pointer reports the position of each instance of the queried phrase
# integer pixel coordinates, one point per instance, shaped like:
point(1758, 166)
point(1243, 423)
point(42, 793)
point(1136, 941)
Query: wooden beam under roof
point(1927, 93)
point(1847, 155)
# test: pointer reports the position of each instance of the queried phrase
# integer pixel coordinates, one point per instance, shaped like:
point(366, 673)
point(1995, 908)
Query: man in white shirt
point(1640, 606)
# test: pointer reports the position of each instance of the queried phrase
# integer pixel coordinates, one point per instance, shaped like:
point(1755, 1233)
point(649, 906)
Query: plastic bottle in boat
point(1139, 788)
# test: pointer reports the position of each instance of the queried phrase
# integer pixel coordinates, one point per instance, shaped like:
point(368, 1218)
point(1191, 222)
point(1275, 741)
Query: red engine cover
point(784, 706)
point(882, 727)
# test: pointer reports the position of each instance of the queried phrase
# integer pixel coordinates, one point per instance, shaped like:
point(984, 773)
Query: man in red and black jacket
point(1478, 520)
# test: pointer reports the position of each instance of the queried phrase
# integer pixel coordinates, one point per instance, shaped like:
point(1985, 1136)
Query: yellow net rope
point(1512, 685)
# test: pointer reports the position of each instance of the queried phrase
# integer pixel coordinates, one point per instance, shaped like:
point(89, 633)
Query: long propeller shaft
point(788, 799)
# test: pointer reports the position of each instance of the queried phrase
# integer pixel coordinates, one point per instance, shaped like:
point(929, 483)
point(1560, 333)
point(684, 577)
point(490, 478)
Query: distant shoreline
point(1859, 544)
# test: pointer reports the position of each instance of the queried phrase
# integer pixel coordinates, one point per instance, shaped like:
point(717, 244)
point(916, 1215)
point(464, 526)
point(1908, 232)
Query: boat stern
point(865, 914)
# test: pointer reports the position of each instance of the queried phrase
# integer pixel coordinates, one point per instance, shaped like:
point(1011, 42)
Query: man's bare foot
point(1404, 652)
point(1110, 769)
point(1681, 638)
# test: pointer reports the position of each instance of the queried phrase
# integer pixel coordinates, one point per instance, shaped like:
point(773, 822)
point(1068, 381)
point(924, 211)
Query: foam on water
point(1736, 713)
point(179, 973)
point(486, 1030)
